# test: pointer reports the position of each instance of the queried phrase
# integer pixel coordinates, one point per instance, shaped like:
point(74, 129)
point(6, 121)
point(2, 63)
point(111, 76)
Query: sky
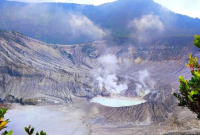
point(93, 2)
point(186, 7)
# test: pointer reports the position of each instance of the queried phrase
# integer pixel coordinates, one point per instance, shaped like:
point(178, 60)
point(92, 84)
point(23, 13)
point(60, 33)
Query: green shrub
point(189, 92)
point(3, 122)
point(30, 131)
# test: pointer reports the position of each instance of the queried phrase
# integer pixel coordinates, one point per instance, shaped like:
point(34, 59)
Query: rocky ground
point(36, 73)
point(84, 118)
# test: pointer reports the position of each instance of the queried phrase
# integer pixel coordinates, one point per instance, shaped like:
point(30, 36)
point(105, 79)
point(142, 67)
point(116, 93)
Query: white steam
point(145, 25)
point(106, 76)
point(68, 24)
point(145, 84)
point(80, 24)
point(109, 63)
point(147, 22)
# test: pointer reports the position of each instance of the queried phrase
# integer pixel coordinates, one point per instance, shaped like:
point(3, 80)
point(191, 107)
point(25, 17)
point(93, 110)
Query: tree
point(189, 92)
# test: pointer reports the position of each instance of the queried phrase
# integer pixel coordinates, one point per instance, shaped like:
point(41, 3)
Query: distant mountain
point(122, 21)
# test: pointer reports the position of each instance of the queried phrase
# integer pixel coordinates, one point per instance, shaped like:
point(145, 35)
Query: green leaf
point(27, 130)
point(7, 120)
point(176, 95)
point(181, 87)
point(187, 87)
point(182, 103)
point(37, 133)
point(190, 98)
point(32, 130)
point(4, 133)
point(181, 79)
point(197, 41)
point(10, 132)
point(193, 92)
point(197, 74)
point(42, 133)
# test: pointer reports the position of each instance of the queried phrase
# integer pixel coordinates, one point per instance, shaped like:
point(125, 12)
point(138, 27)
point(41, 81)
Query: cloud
point(91, 2)
point(185, 7)
point(69, 25)
point(143, 27)
point(82, 25)
point(147, 22)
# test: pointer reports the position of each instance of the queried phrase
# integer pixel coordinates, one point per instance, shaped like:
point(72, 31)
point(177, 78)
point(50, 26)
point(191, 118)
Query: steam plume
point(106, 76)
point(145, 84)
point(144, 26)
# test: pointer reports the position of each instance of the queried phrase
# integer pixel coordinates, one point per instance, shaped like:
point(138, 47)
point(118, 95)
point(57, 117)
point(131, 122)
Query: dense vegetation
point(49, 22)
point(189, 93)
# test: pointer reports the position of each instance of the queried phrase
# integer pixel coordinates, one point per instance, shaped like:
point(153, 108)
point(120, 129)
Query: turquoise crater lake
point(117, 102)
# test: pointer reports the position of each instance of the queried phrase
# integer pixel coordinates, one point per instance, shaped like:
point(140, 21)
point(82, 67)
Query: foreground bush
point(3, 124)
point(189, 92)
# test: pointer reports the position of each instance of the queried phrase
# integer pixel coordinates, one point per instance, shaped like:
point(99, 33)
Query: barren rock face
point(36, 73)
point(143, 114)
